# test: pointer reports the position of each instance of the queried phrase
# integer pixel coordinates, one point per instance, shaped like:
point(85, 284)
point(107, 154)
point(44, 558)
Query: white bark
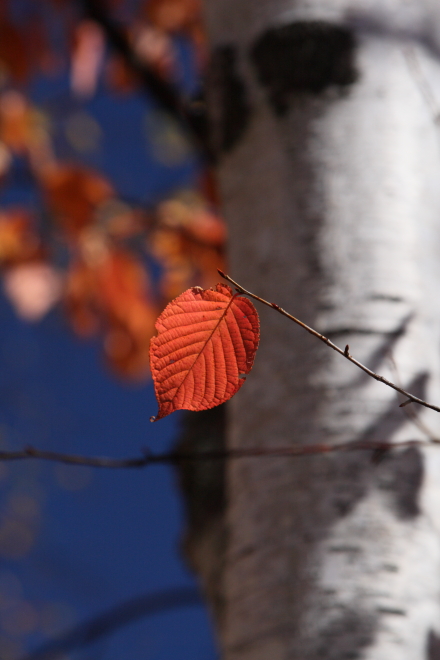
point(334, 213)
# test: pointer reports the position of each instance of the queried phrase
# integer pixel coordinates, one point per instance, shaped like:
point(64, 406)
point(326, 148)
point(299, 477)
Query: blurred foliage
point(121, 262)
point(69, 238)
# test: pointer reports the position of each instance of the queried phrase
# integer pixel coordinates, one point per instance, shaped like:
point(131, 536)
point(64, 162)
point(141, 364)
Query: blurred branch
point(173, 457)
point(190, 116)
point(117, 617)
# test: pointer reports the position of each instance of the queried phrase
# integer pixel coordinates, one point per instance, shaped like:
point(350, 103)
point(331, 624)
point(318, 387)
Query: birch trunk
point(330, 180)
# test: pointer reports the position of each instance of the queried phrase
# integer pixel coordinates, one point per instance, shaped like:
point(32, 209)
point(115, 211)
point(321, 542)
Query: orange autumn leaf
point(15, 120)
point(111, 293)
point(190, 213)
point(130, 314)
point(173, 15)
point(127, 353)
point(13, 52)
point(19, 242)
point(206, 343)
point(81, 297)
point(125, 293)
point(74, 193)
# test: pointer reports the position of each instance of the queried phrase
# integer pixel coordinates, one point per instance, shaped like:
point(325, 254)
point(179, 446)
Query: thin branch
point(109, 622)
point(74, 459)
point(344, 352)
point(190, 116)
point(176, 457)
point(410, 413)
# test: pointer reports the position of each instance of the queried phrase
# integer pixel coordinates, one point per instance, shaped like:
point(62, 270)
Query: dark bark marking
point(393, 418)
point(204, 495)
point(229, 106)
point(352, 478)
point(432, 646)
point(402, 475)
point(387, 298)
point(305, 56)
point(391, 610)
point(384, 350)
point(338, 332)
point(202, 482)
point(345, 638)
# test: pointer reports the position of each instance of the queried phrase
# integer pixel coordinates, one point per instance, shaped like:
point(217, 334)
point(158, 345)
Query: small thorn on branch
point(405, 403)
point(346, 351)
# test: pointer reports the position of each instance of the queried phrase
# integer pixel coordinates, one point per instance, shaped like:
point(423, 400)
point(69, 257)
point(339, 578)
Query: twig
point(176, 457)
point(73, 459)
point(410, 413)
point(345, 353)
point(107, 623)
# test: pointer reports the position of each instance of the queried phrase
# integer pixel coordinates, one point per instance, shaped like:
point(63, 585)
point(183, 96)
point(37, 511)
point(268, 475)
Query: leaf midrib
point(204, 345)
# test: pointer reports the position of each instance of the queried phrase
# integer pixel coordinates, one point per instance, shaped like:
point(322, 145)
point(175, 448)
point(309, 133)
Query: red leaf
point(207, 340)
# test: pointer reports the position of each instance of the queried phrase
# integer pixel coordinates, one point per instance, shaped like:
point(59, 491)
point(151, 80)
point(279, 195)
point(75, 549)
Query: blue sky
point(89, 540)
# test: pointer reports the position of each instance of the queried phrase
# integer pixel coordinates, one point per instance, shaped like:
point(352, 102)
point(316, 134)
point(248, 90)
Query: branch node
point(405, 403)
